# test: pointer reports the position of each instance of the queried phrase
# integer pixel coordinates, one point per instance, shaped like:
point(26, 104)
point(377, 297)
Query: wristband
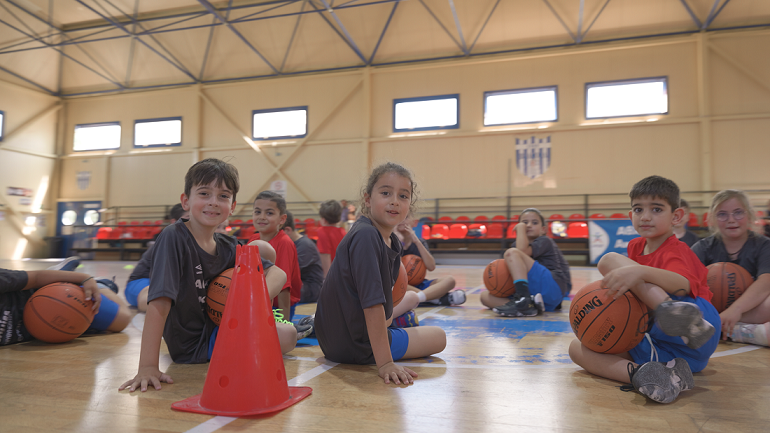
point(84, 281)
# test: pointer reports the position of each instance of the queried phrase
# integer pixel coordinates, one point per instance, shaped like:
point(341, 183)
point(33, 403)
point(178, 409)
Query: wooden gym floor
point(496, 374)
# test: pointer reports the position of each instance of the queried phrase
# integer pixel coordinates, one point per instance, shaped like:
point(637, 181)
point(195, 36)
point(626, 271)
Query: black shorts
point(12, 328)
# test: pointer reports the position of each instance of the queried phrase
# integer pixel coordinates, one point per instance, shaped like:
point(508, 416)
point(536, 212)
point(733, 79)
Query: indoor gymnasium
point(465, 215)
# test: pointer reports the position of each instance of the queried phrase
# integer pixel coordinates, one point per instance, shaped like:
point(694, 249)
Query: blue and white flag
point(533, 155)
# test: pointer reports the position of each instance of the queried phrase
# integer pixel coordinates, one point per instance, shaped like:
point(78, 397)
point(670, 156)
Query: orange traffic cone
point(246, 375)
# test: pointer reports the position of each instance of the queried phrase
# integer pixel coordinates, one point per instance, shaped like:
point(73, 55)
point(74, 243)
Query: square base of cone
point(192, 404)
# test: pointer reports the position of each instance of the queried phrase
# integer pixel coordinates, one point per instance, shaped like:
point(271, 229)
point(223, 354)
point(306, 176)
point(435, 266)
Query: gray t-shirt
point(689, 238)
point(754, 256)
point(362, 275)
point(310, 269)
point(12, 302)
point(181, 270)
point(414, 250)
point(547, 253)
point(142, 269)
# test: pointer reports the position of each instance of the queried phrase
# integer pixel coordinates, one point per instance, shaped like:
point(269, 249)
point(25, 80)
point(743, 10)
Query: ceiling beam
point(563, 24)
point(212, 10)
point(382, 35)
point(712, 15)
point(446, 30)
point(138, 39)
point(483, 26)
point(291, 40)
point(25, 79)
point(580, 21)
point(692, 14)
point(459, 28)
point(583, 36)
point(349, 38)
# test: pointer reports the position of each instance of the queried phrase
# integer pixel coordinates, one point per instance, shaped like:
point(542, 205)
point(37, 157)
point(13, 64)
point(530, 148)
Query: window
point(627, 98)
point(158, 132)
point(508, 107)
point(97, 136)
point(2, 124)
point(290, 122)
point(433, 112)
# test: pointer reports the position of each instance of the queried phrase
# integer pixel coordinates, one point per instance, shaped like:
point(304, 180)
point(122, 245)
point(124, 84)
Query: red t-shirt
point(286, 259)
point(329, 237)
point(675, 256)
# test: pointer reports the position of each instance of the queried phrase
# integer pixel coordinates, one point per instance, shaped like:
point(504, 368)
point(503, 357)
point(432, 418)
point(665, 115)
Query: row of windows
point(508, 107)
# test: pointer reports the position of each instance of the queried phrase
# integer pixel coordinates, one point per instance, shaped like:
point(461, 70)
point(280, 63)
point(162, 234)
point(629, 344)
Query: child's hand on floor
point(398, 374)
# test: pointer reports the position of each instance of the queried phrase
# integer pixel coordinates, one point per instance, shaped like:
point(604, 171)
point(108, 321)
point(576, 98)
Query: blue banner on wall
point(609, 236)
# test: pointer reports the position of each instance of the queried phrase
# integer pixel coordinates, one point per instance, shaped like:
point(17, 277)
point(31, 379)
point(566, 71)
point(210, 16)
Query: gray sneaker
point(660, 382)
point(684, 319)
point(68, 264)
point(305, 321)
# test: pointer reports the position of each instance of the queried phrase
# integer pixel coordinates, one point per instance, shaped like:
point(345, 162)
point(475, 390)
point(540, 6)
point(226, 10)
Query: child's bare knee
point(511, 252)
point(576, 351)
point(287, 336)
point(451, 282)
point(410, 300)
point(607, 263)
point(122, 319)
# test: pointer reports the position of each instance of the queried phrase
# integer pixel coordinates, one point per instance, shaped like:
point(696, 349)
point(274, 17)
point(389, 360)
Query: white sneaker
point(752, 333)
point(539, 304)
point(455, 297)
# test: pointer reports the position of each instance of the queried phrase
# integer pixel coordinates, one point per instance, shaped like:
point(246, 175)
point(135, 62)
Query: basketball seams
point(627, 318)
point(45, 321)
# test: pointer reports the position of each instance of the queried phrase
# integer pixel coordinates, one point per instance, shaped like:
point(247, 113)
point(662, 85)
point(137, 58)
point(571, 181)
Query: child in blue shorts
point(539, 270)
point(355, 306)
point(667, 276)
point(16, 287)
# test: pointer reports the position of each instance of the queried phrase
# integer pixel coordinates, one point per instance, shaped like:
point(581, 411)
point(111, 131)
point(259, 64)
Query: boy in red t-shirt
point(667, 276)
point(329, 235)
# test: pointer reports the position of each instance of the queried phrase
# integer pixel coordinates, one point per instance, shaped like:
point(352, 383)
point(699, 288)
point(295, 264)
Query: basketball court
point(496, 374)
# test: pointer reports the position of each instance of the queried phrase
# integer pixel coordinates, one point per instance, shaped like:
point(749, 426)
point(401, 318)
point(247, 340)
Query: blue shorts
point(425, 283)
point(541, 281)
point(133, 288)
point(212, 341)
point(108, 310)
point(673, 347)
point(399, 342)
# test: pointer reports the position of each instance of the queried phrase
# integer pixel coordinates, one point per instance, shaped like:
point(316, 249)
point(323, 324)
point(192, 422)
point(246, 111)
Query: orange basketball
point(606, 325)
point(727, 282)
point(216, 295)
point(498, 280)
point(415, 268)
point(58, 312)
point(399, 289)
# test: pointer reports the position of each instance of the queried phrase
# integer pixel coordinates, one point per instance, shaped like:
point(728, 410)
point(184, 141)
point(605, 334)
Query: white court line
point(429, 313)
point(734, 351)
point(213, 424)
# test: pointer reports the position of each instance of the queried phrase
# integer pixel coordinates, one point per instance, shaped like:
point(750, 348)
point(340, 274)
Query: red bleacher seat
point(458, 231)
point(494, 231)
point(481, 228)
point(511, 232)
point(619, 215)
point(705, 219)
point(598, 216)
point(426, 231)
point(103, 233)
point(311, 231)
point(445, 218)
point(556, 217)
point(439, 231)
point(693, 221)
point(576, 216)
point(463, 218)
point(481, 218)
point(309, 222)
point(577, 230)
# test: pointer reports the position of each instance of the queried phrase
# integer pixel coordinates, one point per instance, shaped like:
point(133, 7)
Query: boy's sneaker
point(308, 320)
point(684, 319)
point(68, 264)
point(539, 304)
point(660, 382)
point(406, 320)
point(455, 297)
point(303, 331)
point(110, 284)
point(524, 306)
point(752, 333)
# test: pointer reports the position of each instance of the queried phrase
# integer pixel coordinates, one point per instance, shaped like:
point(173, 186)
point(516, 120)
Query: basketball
point(607, 325)
point(399, 289)
point(727, 282)
point(415, 268)
point(498, 280)
point(216, 295)
point(58, 312)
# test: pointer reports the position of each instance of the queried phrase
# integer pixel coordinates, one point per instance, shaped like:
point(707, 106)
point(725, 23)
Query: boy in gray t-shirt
point(309, 260)
point(187, 255)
